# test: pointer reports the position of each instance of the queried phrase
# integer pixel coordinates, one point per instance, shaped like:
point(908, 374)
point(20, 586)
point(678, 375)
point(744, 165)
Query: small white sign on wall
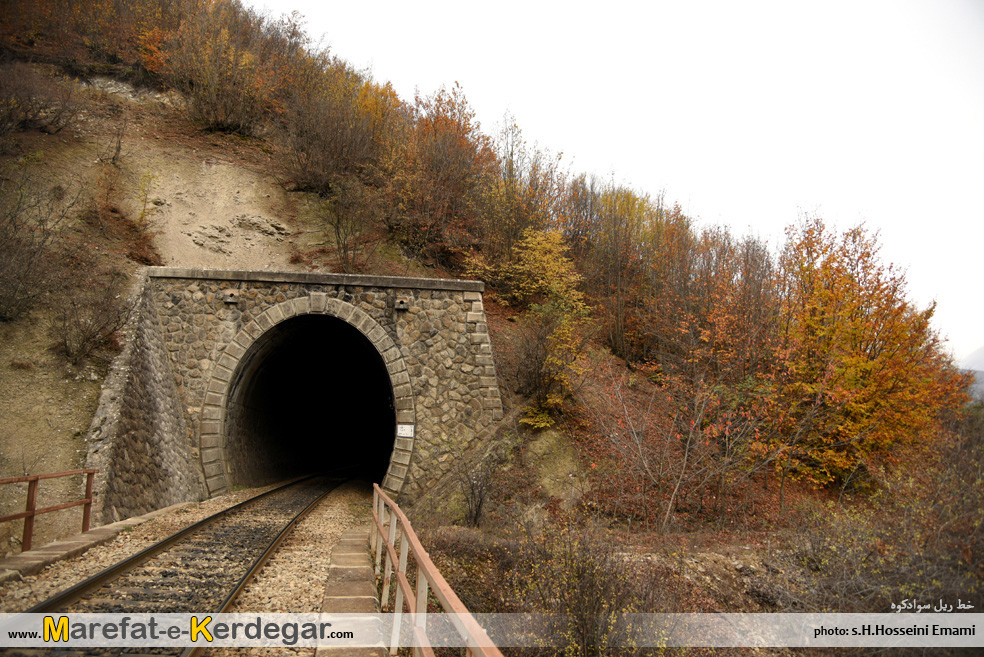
point(404, 430)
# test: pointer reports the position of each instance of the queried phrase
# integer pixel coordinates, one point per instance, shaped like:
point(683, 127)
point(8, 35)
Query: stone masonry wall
point(437, 351)
point(139, 438)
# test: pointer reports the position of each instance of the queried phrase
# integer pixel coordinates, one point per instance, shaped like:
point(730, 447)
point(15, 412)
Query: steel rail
point(259, 563)
point(100, 579)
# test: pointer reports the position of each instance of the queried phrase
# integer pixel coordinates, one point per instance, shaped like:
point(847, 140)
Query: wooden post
point(32, 495)
point(381, 515)
point(390, 566)
point(420, 617)
point(429, 579)
point(372, 530)
point(401, 569)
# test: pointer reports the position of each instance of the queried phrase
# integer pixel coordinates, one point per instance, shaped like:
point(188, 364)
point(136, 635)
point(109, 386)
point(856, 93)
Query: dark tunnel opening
point(312, 395)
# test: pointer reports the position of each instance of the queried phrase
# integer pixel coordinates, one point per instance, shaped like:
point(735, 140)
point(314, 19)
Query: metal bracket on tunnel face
point(401, 303)
point(230, 296)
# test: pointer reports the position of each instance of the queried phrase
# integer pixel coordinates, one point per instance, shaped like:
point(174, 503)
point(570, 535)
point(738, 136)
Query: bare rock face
point(212, 237)
point(269, 227)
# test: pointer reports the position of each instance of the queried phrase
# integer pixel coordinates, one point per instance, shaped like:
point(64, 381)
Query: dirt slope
point(210, 200)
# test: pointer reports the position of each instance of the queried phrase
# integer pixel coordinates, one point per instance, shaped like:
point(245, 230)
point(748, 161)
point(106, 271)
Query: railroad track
point(200, 569)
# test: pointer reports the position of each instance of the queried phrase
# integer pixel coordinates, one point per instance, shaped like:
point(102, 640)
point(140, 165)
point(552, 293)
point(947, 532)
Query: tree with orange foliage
point(861, 369)
point(446, 163)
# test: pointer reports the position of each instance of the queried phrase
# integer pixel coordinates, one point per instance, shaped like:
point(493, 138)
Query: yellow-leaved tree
point(543, 280)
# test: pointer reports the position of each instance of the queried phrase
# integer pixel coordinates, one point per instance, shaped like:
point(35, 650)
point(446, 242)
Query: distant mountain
point(975, 361)
point(977, 388)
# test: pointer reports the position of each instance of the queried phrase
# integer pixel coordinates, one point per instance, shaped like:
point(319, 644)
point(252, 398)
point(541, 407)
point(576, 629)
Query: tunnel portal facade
point(243, 378)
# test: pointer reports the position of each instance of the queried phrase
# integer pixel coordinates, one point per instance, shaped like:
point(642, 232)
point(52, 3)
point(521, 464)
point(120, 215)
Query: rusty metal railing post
point(31, 507)
point(87, 507)
point(32, 498)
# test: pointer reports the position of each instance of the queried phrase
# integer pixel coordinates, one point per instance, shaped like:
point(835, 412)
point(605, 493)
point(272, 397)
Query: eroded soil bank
point(209, 200)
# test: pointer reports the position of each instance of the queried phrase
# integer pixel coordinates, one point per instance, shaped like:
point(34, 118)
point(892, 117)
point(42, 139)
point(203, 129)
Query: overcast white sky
point(746, 113)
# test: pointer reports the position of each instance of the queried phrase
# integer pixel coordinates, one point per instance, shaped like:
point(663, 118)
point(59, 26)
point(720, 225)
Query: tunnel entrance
point(311, 395)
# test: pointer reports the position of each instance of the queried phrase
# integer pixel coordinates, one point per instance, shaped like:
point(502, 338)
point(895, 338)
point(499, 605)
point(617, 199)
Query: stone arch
point(212, 435)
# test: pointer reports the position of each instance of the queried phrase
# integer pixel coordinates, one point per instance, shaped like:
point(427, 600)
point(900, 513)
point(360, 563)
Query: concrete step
point(351, 589)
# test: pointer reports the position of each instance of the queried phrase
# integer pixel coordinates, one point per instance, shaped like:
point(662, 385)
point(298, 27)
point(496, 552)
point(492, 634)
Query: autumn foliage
point(444, 164)
point(861, 368)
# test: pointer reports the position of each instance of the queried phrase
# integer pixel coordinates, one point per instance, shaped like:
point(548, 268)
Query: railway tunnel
point(311, 395)
point(239, 378)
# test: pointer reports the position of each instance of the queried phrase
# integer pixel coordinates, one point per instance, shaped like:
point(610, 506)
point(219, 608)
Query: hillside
point(976, 389)
point(686, 405)
point(211, 201)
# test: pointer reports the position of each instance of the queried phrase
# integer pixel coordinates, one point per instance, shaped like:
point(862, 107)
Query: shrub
point(542, 280)
point(922, 538)
point(538, 374)
point(476, 473)
point(444, 167)
point(348, 218)
point(550, 340)
point(31, 212)
point(103, 212)
point(577, 574)
point(336, 124)
point(88, 318)
point(475, 564)
point(218, 58)
point(29, 99)
point(571, 576)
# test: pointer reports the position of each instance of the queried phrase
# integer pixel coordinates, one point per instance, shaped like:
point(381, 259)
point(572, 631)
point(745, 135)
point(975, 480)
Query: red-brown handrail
point(32, 495)
point(390, 521)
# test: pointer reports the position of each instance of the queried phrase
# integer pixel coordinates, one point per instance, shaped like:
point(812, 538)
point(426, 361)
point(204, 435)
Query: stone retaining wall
point(139, 439)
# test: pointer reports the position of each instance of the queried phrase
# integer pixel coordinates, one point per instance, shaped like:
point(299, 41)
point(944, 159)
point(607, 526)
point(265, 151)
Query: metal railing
point(389, 521)
point(32, 496)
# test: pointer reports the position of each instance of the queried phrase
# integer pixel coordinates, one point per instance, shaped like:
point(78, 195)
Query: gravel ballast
point(292, 581)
